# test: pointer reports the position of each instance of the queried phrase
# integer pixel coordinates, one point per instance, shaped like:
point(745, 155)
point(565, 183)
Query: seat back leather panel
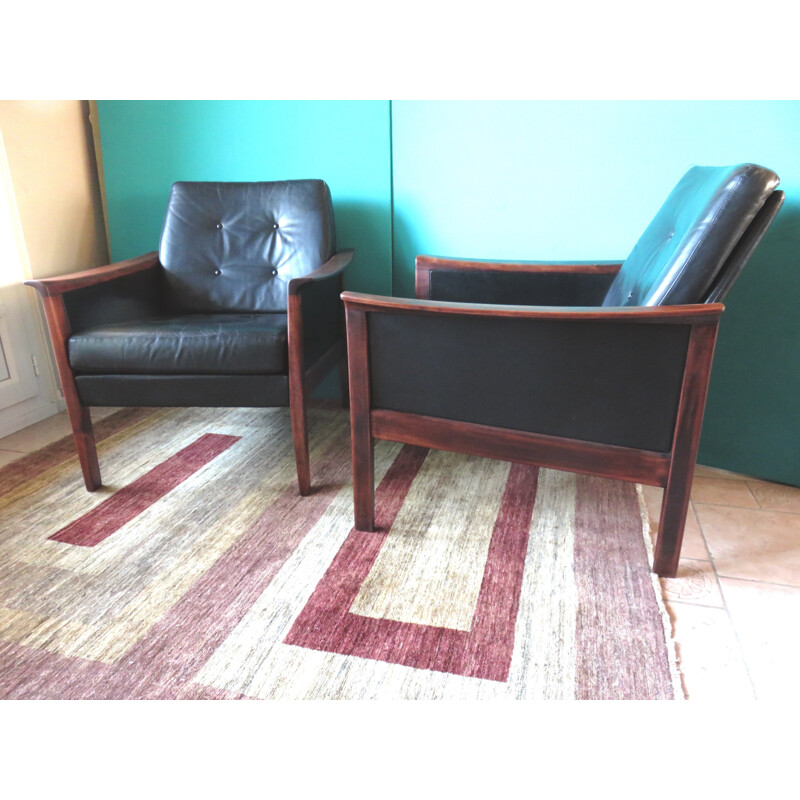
point(688, 242)
point(519, 288)
point(235, 246)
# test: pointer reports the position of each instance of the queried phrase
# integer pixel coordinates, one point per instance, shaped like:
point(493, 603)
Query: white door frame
point(28, 389)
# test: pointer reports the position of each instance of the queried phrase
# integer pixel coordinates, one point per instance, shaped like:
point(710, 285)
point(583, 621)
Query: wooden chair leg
point(297, 395)
point(344, 383)
point(83, 435)
point(674, 507)
point(297, 410)
point(363, 483)
point(688, 424)
point(79, 417)
point(360, 424)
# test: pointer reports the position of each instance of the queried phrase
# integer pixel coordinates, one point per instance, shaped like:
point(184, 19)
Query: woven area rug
point(198, 572)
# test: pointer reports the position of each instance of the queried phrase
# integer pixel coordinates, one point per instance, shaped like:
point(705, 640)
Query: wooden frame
point(302, 377)
point(52, 291)
point(672, 470)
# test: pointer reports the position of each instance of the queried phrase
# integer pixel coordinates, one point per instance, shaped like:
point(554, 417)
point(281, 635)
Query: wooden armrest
point(50, 287)
point(692, 314)
point(588, 267)
point(333, 266)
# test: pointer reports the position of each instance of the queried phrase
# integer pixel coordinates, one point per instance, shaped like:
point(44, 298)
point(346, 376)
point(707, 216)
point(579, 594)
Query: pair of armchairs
point(599, 368)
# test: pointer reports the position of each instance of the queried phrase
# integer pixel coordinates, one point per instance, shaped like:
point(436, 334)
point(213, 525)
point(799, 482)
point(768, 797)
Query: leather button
point(275, 226)
point(219, 226)
point(217, 272)
point(274, 271)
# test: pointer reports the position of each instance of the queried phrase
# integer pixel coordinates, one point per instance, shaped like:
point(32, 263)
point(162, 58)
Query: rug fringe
point(672, 651)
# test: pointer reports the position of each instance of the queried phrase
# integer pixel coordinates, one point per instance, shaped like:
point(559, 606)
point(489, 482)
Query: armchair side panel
point(614, 384)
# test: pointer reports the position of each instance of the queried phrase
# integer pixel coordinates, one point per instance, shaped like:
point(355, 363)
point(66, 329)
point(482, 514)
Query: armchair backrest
point(699, 240)
point(230, 246)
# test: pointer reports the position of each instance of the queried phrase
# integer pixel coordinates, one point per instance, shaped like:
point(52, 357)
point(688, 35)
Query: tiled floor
point(735, 604)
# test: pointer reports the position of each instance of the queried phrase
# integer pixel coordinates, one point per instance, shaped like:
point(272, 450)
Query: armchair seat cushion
point(207, 344)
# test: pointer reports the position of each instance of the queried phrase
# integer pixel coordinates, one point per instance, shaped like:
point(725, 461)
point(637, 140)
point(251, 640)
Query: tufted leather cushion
point(208, 344)
point(683, 249)
point(235, 246)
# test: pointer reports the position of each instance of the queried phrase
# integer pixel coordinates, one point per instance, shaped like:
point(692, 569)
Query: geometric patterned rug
point(198, 572)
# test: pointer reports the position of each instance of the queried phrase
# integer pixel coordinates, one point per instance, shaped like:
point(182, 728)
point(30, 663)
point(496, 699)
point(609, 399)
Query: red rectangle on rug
point(132, 500)
point(482, 652)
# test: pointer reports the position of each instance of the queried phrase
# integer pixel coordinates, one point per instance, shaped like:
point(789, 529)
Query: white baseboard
point(19, 416)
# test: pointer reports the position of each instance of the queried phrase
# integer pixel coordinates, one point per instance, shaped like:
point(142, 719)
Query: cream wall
point(51, 158)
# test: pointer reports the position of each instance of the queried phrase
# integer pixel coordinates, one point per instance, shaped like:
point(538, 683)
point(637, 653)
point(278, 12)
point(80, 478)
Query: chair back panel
point(518, 288)
point(235, 246)
point(689, 241)
point(744, 248)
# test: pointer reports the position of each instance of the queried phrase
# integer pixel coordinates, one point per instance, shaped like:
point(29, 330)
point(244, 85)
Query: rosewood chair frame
point(303, 378)
point(672, 470)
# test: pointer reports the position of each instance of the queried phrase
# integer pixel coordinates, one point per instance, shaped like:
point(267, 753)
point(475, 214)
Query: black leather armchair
point(239, 307)
point(599, 368)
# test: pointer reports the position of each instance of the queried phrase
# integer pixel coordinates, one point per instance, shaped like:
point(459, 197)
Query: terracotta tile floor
point(735, 604)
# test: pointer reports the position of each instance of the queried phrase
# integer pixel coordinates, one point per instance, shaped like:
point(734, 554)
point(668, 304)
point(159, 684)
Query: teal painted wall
point(506, 179)
point(148, 145)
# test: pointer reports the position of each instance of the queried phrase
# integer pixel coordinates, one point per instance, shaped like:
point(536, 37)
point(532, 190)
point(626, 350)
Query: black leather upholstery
point(324, 318)
point(111, 302)
point(616, 384)
point(180, 319)
point(744, 248)
point(519, 288)
point(180, 391)
point(205, 344)
point(689, 240)
point(235, 246)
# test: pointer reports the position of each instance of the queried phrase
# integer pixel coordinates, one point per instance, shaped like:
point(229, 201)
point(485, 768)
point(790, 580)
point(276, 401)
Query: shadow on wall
point(406, 247)
point(101, 233)
point(136, 223)
point(755, 381)
point(365, 227)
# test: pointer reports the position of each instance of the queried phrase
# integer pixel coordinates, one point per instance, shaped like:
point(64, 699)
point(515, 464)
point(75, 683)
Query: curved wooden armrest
point(587, 267)
point(51, 287)
point(692, 314)
point(333, 266)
